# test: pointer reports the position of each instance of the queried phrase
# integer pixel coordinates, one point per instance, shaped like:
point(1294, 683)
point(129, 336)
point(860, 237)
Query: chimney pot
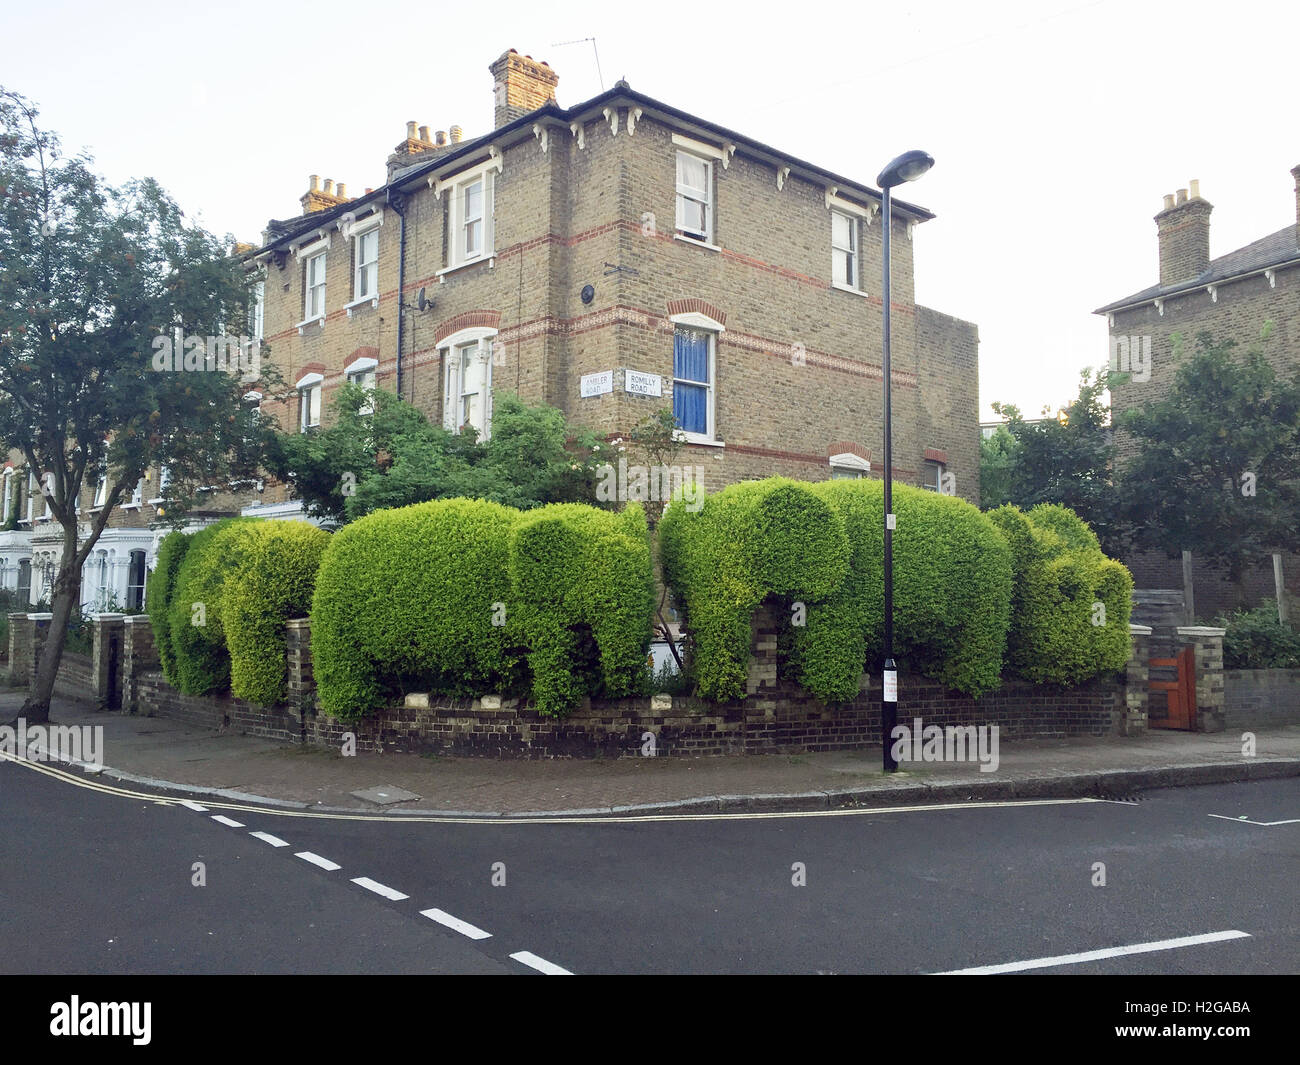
point(329, 186)
point(440, 138)
point(1182, 196)
point(1169, 201)
point(424, 135)
point(314, 183)
point(410, 131)
point(456, 134)
point(1195, 188)
point(342, 193)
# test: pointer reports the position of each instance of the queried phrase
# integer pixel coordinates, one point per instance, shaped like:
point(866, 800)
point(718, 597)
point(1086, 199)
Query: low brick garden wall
point(123, 673)
point(1259, 698)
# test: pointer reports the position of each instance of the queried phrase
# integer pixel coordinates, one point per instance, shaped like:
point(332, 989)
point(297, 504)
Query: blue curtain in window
point(691, 362)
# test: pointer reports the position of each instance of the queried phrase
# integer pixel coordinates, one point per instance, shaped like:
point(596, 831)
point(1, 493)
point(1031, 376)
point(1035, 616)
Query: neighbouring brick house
point(1232, 297)
point(606, 259)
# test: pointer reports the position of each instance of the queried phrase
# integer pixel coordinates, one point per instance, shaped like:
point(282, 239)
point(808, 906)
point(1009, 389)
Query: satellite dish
point(422, 301)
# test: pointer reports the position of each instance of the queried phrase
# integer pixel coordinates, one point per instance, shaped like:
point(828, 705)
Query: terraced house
point(609, 258)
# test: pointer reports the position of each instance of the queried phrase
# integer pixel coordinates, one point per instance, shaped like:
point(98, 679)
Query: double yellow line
point(434, 819)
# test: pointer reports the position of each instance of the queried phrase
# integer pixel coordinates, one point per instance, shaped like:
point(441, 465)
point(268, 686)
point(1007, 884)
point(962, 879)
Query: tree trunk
point(67, 598)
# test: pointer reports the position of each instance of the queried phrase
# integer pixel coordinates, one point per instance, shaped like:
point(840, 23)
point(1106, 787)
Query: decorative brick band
point(695, 305)
point(467, 320)
point(360, 353)
point(311, 367)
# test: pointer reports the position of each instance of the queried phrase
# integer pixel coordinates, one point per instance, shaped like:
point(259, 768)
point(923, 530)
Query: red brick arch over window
point(360, 353)
point(934, 454)
point(697, 306)
point(311, 367)
point(848, 447)
point(468, 320)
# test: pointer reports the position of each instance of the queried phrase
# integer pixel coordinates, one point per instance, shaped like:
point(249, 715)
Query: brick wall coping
point(1139, 630)
point(40, 617)
point(17, 616)
point(136, 619)
point(109, 617)
point(1200, 630)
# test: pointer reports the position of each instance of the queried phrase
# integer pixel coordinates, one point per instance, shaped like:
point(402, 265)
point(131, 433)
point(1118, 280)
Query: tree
point(1216, 468)
point(380, 451)
point(97, 283)
point(998, 454)
point(1066, 460)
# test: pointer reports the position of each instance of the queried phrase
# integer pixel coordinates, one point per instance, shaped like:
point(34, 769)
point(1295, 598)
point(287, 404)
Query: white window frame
point(31, 497)
point(847, 463)
point(164, 479)
point(864, 215)
point(940, 469)
point(712, 328)
point(309, 384)
point(686, 192)
point(312, 254)
point(360, 233)
point(454, 186)
point(257, 319)
point(450, 349)
point(101, 488)
point(358, 373)
point(9, 479)
point(853, 253)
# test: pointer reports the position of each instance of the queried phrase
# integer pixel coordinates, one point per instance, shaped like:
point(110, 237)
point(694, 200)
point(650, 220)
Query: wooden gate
point(1172, 701)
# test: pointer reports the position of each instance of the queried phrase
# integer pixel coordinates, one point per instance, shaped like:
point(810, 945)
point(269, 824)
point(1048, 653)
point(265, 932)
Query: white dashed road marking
point(190, 804)
point(1096, 955)
point(527, 957)
point(455, 923)
point(1261, 824)
point(316, 859)
point(227, 821)
point(378, 888)
point(266, 837)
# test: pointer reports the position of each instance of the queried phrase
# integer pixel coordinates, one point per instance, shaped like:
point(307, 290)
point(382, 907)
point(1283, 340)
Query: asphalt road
point(93, 882)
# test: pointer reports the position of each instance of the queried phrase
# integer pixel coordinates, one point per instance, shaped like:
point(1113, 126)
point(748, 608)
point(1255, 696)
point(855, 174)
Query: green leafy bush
point(273, 583)
point(465, 596)
point(1255, 639)
point(751, 541)
point(159, 593)
point(952, 594)
point(1070, 604)
point(198, 639)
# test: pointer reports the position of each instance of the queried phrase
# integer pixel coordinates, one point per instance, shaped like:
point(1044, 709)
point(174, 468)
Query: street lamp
point(907, 167)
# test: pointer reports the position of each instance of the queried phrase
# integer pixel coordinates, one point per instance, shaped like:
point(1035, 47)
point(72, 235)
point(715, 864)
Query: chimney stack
point(1183, 226)
point(321, 199)
point(1295, 173)
point(520, 85)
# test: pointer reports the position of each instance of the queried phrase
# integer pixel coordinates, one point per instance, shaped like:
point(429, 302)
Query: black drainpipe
point(398, 203)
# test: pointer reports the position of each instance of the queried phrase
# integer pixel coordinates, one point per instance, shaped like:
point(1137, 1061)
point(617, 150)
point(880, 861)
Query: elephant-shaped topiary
point(461, 595)
point(751, 541)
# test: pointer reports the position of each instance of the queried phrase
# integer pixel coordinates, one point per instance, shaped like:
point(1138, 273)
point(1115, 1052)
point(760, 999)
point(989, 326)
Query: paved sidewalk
point(162, 753)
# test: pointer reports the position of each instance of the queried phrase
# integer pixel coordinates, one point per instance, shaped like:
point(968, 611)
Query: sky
point(1057, 126)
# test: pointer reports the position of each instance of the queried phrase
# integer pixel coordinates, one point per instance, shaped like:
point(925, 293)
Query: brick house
point(612, 257)
point(607, 259)
point(1232, 297)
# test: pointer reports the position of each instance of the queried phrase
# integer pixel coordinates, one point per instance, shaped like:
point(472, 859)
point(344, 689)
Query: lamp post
point(907, 167)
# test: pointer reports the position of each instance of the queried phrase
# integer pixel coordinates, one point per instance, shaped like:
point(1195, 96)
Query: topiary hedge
point(158, 597)
point(198, 639)
point(750, 541)
point(1070, 603)
point(952, 594)
point(273, 583)
point(464, 596)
